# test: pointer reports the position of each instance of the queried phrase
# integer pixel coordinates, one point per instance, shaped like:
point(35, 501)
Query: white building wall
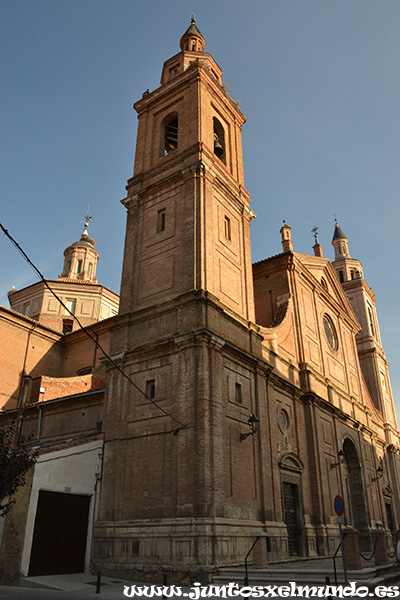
point(74, 471)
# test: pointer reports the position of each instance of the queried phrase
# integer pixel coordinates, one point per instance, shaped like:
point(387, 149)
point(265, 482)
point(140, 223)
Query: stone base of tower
point(186, 550)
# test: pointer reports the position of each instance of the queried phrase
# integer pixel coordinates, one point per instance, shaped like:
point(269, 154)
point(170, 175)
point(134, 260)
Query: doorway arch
point(291, 468)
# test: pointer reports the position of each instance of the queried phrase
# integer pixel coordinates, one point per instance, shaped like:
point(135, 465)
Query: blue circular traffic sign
point(338, 505)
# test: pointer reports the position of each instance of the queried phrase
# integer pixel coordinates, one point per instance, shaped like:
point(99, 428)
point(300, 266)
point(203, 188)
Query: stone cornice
point(197, 72)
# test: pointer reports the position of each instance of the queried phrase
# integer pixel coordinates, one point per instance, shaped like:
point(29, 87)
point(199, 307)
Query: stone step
point(305, 573)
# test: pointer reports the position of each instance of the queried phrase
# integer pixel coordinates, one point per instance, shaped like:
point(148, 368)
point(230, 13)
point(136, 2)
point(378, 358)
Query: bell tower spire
point(373, 362)
point(346, 268)
point(192, 40)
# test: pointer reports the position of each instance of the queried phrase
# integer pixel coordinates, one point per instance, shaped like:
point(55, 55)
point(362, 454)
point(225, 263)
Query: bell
point(218, 149)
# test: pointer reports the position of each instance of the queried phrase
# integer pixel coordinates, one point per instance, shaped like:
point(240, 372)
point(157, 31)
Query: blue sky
point(318, 80)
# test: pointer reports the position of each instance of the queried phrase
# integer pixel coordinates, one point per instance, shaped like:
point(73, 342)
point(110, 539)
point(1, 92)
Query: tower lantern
point(81, 258)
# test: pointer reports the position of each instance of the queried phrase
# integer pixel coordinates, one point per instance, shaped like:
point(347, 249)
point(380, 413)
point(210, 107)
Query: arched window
point(170, 134)
point(219, 140)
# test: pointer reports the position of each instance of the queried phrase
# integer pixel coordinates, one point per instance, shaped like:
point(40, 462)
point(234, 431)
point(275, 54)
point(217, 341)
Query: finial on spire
point(193, 17)
point(286, 234)
point(317, 246)
point(87, 218)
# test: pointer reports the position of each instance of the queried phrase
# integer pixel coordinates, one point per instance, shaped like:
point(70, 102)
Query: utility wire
point(98, 345)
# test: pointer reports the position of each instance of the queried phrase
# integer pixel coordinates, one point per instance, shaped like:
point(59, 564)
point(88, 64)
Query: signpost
point(338, 505)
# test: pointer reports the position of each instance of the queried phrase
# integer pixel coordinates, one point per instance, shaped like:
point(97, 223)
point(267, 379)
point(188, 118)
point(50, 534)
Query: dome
point(192, 40)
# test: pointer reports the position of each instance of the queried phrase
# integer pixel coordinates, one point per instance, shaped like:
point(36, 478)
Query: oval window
point(283, 419)
point(330, 332)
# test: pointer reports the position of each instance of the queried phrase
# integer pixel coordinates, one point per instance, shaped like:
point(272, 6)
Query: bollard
point(98, 582)
point(351, 549)
point(381, 553)
point(260, 552)
point(165, 583)
point(328, 582)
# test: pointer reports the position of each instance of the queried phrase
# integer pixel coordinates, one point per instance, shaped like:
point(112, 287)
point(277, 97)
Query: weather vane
point(87, 217)
point(193, 17)
point(314, 230)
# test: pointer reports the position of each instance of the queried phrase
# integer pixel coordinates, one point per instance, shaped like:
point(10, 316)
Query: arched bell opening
point(170, 134)
point(219, 140)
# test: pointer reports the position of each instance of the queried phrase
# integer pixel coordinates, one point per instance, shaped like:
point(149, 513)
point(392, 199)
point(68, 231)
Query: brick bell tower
point(188, 211)
point(185, 335)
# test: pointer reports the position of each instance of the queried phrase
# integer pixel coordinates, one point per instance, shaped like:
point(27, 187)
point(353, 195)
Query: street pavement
point(82, 586)
point(78, 586)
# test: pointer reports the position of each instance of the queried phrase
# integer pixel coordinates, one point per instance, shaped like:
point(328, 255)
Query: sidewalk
point(77, 585)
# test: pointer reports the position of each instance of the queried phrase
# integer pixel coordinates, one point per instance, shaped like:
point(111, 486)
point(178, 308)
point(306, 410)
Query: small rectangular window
point(238, 393)
point(151, 389)
point(25, 310)
point(161, 220)
point(67, 326)
point(70, 305)
point(228, 228)
point(79, 266)
point(90, 269)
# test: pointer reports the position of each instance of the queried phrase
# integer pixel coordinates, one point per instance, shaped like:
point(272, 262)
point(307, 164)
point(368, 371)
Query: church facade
point(285, 347)
point(238, 397)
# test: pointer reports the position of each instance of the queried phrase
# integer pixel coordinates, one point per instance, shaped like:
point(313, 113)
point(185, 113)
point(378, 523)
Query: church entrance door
point(290, 505)
point(355, 490)
point(59, 537)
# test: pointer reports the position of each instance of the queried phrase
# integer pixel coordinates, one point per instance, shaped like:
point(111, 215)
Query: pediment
point(291, 462)
point(322, 276)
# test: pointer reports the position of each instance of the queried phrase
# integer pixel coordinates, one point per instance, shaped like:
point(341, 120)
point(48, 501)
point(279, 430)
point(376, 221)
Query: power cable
point(97, 344)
